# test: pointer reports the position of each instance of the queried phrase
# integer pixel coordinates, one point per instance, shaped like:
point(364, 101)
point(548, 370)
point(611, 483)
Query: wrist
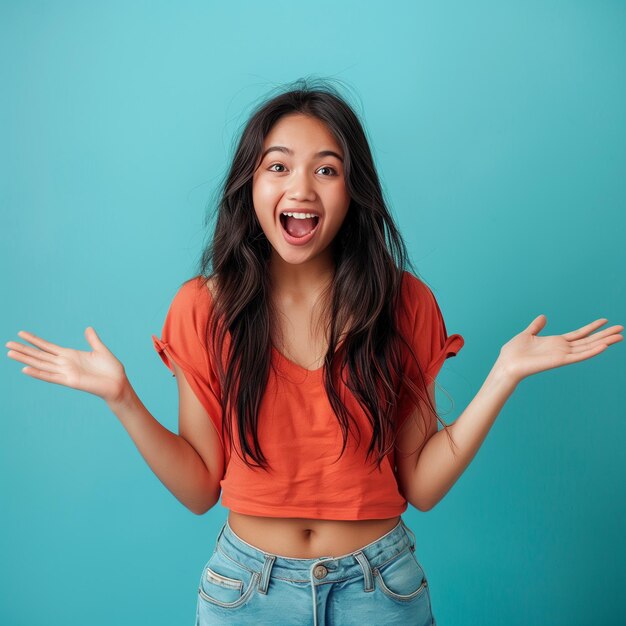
point(122, 397)
point(503, 374)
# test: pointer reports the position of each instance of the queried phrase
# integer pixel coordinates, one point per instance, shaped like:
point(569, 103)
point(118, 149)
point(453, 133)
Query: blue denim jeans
point(380, 583)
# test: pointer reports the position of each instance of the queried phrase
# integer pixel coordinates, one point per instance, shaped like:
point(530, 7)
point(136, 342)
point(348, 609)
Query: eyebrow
point(286, 150)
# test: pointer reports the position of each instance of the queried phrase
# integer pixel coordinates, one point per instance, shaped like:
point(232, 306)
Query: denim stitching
point(251, 571)
point(300, 580)
point(306, 580)
point(394, 556)
point(256, 581)
point(402, 598)
point(224, 581)
point(266, 574)
point(237, 603)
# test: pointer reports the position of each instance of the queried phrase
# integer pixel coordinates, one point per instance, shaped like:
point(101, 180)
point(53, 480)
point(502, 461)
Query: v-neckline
point(316, 373)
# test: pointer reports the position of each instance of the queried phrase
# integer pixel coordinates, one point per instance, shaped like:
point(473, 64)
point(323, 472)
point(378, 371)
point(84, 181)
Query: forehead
point(301, 133)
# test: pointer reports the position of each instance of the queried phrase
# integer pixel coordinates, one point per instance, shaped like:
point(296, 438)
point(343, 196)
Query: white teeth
point(300, 216)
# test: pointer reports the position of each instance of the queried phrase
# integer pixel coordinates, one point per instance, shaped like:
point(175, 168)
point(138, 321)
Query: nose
point(301, 187)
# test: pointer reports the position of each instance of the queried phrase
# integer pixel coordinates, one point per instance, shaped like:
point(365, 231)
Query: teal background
point(499, 131)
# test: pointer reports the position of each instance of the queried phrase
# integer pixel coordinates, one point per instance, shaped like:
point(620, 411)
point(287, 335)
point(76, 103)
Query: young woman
point(305, 356)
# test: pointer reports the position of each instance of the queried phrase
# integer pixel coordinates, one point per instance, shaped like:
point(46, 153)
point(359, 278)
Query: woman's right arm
point(175, 461)
point(190, 465)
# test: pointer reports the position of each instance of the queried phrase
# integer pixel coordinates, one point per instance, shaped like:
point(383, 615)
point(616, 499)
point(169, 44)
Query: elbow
point(206, 507)
point(422, 504)
point(425, 507)
point(200, 510)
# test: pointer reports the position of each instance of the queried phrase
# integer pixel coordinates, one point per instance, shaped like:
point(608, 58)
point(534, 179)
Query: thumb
point(93, 339)
point(536, 325)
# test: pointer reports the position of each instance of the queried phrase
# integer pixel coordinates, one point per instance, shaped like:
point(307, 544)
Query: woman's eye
point(326, 167)
point(274, 165)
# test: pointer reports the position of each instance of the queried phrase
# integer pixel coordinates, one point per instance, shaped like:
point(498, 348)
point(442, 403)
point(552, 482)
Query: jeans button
point(320, 571)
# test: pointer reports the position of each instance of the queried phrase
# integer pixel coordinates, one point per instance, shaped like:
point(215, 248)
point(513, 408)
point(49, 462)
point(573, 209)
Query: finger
point(575, 357)
point(94, 340)
point(42, 375)
point(34, 361)
point(537, 324)
point(39, 342)
point(607, 341)
point(34, 352)
point(585, 330)
point(577, 349)
point(606, 332)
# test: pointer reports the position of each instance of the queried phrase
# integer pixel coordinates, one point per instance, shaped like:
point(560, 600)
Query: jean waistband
point(343, 566)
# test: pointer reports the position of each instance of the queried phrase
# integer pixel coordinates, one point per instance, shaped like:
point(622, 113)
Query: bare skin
point(99, 372)
point(300, 537)
point(303, 538)
point(290, 180)
point(300, 276)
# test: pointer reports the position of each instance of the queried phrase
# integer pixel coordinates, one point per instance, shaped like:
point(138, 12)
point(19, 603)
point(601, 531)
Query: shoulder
point(196, 291)
point(415, 293)
point(419, 308)
point(413, 285)
point(191, 304)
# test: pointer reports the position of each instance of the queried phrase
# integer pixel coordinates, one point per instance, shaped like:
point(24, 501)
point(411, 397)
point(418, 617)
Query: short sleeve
point(430, 331)
point(423, 326)
point(183, 341)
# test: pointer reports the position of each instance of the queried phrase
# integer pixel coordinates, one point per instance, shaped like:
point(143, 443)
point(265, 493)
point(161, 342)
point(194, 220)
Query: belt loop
point(367, 570)
point(266, 572)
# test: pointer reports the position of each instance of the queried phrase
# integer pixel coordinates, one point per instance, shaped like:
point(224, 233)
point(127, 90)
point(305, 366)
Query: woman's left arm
point(439, 465)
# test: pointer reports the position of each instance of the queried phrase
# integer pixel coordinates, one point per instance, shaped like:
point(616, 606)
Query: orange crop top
point(297, 428)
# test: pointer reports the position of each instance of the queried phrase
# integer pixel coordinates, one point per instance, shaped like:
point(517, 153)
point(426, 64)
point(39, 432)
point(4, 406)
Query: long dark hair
point(369, 255)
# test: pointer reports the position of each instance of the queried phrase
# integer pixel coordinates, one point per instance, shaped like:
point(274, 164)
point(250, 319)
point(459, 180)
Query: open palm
point(98, 372)
point(528, 354)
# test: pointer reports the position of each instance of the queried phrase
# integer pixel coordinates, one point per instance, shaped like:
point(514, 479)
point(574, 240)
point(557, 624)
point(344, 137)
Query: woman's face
point(301, 171)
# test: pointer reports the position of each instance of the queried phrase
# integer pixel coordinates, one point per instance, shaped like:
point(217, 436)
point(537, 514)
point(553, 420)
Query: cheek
point(339, 199)
point(264, 202)
point(264, 193)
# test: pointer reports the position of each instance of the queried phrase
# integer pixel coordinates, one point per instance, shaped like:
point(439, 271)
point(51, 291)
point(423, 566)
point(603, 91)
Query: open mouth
point(298, 227)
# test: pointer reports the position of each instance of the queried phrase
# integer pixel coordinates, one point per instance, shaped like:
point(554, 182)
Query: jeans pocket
point(402, 577)
point(226, 583)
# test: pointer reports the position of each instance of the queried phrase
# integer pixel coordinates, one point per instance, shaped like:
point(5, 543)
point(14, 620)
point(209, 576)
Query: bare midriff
point(304, 538)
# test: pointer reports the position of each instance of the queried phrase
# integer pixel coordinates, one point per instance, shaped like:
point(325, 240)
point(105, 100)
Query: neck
point(301, 280)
